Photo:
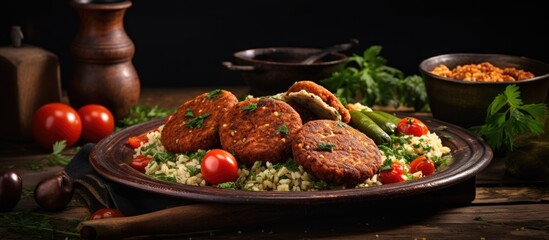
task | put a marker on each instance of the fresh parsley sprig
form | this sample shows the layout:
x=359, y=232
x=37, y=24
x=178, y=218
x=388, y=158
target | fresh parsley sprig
x=56, y=158
x=508, y=117
x=367, y=79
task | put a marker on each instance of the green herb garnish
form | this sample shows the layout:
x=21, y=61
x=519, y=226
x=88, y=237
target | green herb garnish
x=508, y=117
x=196, y=122
x=227, y=185
x=139, y=114
x=291, y=165
x=193, y=170
x=329, y=147
x=162, y=176
x=189, y=113
x=282, y=129
x=213, y=94
x=250, y=107
x=55, y=158
x=198, y=155
x=340, y=124
x=163, y=157
x=369, y=80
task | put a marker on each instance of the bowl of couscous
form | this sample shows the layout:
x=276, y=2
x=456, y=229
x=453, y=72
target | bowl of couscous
x=461, y=86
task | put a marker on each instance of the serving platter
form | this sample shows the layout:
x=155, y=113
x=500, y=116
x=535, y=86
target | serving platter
x=111, y=157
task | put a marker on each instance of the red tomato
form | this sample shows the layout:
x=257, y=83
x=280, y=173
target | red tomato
x=394, y=175
x=136, y=141
x=140, y=162
x=219, y=166
x=106, y=213
x=421, y=163
x=55, y=122
x=97, y=122
x=412, y=126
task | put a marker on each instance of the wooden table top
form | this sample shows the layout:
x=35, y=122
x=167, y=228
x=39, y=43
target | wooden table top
x=503, y=208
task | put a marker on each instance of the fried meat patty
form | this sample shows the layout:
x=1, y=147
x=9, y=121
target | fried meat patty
x=259, y=129
x=335, y=152
x=195, y=124
x=318, y=100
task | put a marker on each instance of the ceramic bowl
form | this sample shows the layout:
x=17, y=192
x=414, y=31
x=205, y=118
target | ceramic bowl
x=269, y=71
x=465, y=103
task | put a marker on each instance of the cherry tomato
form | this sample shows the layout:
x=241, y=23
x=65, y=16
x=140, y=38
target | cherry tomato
x=394, y=175
x=106, y=213
x=97, y=122
x=136, y=141
x=55, y=122
x=219, y=166
x=423, y=164
x=412, y=126
x=140, y=162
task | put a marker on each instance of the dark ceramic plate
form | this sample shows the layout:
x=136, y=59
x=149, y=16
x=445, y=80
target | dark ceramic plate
x=111, y=156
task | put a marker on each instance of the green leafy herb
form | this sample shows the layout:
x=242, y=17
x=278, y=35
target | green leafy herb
x=56, y=158
x=291, y=165
x=139, y=114
x=282, y=129
x=227, y=185
x=35, y=226
x=163, y=157
x=508, y=117
x=196, y=122
x=162, y=176
x=189, y=113
x=198, y=155
x=329, y=147
x=250, y=107
x=319, y=184
x=366, y=79
x=193, y=170
x=340, y=124
x=213, y=94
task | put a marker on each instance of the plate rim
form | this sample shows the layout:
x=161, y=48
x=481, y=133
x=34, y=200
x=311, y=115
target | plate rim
x=480, y=153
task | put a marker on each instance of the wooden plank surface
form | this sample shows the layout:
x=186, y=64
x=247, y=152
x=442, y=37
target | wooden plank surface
x=503, y=208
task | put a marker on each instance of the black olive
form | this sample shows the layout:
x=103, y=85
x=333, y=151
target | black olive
x=54, y=193
x=11, y=187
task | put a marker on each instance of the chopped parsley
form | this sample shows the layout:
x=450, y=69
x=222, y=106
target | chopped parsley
x=198, y=155
x=250, y=107
x=193, y=170
x=196, y=122
x=162, y=176
x=189, y=113
x=291, y=165
x=340, y=124
x=227, y=185
x=282, y=129
x=329, y=147
x=213, y=94
x=163, y=157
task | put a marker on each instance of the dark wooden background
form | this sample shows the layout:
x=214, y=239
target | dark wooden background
x=182, y=43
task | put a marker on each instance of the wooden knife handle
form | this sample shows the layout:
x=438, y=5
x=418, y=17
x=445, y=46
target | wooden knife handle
x=189, y=218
